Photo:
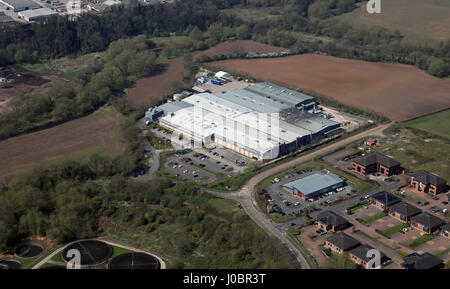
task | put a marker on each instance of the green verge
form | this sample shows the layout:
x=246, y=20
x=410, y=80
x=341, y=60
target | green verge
x=443, y=252
x=29, y=263
x=304, y=251
x=419, y=241
x=369, y=220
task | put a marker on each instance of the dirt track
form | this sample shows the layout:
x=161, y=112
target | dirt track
x=397, y=91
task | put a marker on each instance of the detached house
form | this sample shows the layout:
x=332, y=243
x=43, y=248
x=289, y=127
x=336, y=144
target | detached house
x=424, y=261
x=376, y=163
x=427, y=223
x=385, y=200
x=359, y=256
x=428, y=183
x=403, y=211
x=341, y=242
x=330, y=221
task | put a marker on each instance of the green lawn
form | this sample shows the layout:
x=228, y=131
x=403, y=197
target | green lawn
x=443, y=252
x=57, y=257
x=437, y=123
x=419, y=241
x=392, y=230
x=280, y=219
x=359, y=205
x=222, y=205
x=234, y=182
x=374, y=239
x=369, y=220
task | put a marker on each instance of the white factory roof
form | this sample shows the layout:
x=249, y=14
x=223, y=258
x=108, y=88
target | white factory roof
x=41, y=12
x=222, y=74
x=19, y=3
x=244, y=119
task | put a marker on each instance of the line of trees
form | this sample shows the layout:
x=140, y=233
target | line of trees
x=67, y=202
x=207, y=25
x=103, y=81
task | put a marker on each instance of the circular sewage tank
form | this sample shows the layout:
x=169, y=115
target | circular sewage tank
x=92, y=252
x=134, y=260
x=9, y=263
x=28, y=250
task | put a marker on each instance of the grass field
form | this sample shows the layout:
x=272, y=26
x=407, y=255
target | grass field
x=98, y=133
x=437, y=123
x=418, y=150
x=416, y=19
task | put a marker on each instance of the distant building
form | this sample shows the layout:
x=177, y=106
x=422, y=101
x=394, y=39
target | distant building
x=341, y=242
x=384, y=200
x=376, y=163
x=222, y=74
x=36, y=14
x=403, y=211
x=330, y=221
x=103, y=6
x=428, y=183
x=424, y=261
x=359, y=256
x=427, y=223
x=314, y=185
x=19, y=5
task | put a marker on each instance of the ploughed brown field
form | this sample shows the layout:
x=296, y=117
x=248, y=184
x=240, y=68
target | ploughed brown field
x=400, y=92
x=98, y=133
x=153, y=88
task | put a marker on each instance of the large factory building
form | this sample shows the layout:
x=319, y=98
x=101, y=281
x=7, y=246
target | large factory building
x=262, y=121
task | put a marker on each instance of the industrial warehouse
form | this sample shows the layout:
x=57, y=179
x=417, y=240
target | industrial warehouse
x=314, y=185
x=262, y=121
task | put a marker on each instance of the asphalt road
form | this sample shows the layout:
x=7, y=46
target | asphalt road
x=246, y=195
